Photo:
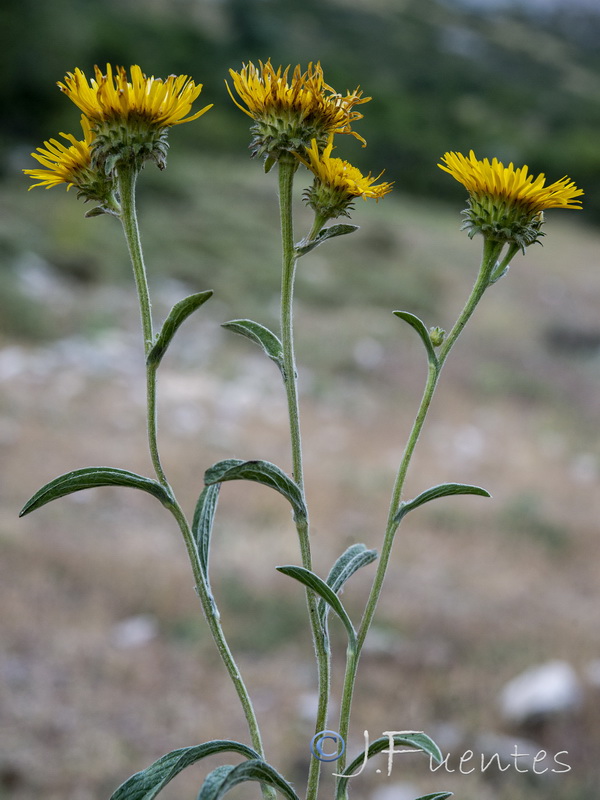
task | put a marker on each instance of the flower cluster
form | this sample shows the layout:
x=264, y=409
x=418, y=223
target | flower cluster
x=507, y=204
x=297, y=116
x=125, y=121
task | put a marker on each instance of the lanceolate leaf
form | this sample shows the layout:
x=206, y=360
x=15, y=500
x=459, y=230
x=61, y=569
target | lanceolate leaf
x=418, y=741
x=233, y=469
x=147, y=784
x=420, y=328
x=202, y=523
x=178, y=314
x=260, y=335
x=355, y=557
x=443, y=490
x=436, y=796
x=202, y=526
x=304, y=247
x=222, y=779
x=91, y=477
x=319, y=586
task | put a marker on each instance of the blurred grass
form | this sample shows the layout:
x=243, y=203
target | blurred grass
x=478, y=590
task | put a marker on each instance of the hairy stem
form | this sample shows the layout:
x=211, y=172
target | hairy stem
x=287, y=167
x=127, y=180
x=212, y=617
x=491, y=253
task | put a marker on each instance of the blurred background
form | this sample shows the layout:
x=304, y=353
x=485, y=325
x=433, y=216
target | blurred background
x=105, y=661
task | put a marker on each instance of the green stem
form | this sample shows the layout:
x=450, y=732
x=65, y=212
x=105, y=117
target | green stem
x=352, y=657
x=317, y=226
x=286, y=179
x=287, y=168
x=491, y=253
x=127, y=180
x=212, y=617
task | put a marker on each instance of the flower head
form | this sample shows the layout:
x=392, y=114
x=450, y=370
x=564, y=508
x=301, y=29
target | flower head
x=71, y=164
x=507, y=204
x=132, y=113
x=289, y=112
x=337, y=183
x=109, y=97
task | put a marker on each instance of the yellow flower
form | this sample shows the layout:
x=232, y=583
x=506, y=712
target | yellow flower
x=290, y=112
x=507, y=204
x=130, y=117
x=71, y=164
x=509, y=184
x=340, y=177
x=113, y=97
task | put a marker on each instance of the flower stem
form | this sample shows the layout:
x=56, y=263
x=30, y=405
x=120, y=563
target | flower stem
x=286, y=178
x=127, y=180
x=491, y=253
x=287, y=167
x=212, y=617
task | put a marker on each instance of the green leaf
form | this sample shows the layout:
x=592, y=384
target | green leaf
x=355, y=557
x=436, y=796
x=202, y=523
x=305, y=246
x=260, y=335
x=224, y=778
x=499, y=272
x=90, y=478
x=420, y=328
x=443, y=490
x=418, y=741
x=202, y=526
x=147, y=784
x=178, y=314
x=264, y=472
x=319, y=586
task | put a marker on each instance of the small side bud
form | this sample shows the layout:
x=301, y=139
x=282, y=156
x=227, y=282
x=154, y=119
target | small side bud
x=437, y=336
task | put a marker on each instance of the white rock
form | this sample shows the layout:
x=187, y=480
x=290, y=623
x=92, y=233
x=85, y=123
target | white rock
x=134, y=632
x=541, y=691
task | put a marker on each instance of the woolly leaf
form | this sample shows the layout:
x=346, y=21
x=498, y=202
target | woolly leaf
x=443, y=490
x=420, y=328
x=145, y=785
x=90, y=478
x=260, y=335
x=304, y=247
x=264, y=472
x=319, y=586
x=417, y=741
x=178, y=314
x=355, y=557
x=222, y=779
